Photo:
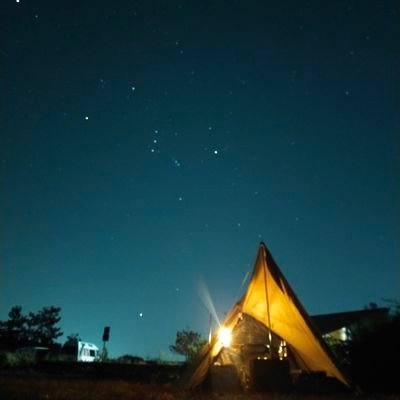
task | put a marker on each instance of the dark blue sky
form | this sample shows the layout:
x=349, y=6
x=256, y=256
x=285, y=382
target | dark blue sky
x=148, y=144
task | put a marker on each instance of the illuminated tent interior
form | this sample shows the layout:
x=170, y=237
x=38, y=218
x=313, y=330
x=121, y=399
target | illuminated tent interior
x=267, y=323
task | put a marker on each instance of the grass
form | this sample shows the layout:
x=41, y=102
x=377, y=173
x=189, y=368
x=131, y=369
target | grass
x=40, y=388
x=17, y=388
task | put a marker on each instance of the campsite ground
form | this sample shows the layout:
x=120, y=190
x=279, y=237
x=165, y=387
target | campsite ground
x=42, y=388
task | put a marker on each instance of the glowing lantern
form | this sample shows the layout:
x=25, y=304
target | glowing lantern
x=225, y=336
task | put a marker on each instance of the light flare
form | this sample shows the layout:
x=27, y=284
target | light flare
x=207, y=301
x=225, y=336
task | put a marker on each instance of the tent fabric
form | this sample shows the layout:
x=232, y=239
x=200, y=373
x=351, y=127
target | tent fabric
x=270, y=300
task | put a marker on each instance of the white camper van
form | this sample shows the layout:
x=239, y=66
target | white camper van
x=77, y=350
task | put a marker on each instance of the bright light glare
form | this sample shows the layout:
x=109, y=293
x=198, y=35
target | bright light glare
x=225, y=336
x=207, y=300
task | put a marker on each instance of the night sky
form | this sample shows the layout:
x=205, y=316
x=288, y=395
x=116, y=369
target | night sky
x=150, y=145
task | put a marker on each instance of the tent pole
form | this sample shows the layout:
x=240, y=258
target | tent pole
x=209, y=329
x=269, y=315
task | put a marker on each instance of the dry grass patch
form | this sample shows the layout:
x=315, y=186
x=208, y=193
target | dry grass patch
x=39, y=388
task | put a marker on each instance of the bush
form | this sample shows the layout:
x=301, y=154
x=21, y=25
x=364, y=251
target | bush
x=15, y=360
x=373, y=354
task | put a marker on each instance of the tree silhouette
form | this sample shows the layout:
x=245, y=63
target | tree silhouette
x=188, y=343
x=35, y=329
x=43, y=326
x=374, y=351
x=14, y=331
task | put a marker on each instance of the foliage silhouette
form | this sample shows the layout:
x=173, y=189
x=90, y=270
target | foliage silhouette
x=34, y=329
x=188, y=343
x=373, y=353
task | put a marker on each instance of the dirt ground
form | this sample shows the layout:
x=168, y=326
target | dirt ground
x=40, y=388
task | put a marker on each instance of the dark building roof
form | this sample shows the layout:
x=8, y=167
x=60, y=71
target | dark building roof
x=331, y=322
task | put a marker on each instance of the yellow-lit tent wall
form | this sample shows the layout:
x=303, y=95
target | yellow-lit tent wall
x=270, y=300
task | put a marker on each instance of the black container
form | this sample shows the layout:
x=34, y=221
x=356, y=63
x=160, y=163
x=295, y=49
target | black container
x=270, y=375
x=222, y=378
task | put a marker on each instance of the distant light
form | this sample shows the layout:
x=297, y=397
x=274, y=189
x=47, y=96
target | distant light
x=133, y=88
x=215, y=151
x=17, y=1
x=86, y=117
x=225, y=336
x=282, y=351
x=141, y=315
x=344, y=334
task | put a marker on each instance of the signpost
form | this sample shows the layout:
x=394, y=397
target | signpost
x=106, y=338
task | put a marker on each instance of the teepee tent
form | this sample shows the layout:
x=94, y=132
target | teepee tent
x=267, y=322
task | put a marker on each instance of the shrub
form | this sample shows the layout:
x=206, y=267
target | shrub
x=16, y=360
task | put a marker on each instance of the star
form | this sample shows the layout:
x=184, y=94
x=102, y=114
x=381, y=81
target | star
x=86, y=117
x=215, y=152
x=176, y=162
x=140, y=314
